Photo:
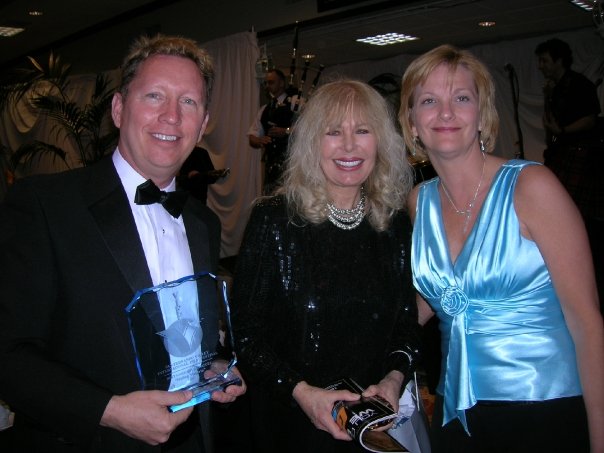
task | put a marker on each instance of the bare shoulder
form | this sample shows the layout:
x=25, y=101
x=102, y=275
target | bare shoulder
x=537, y=184
x=536, y=173
x=540, y=200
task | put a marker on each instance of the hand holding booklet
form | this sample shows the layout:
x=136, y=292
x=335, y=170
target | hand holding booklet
x=360, y=419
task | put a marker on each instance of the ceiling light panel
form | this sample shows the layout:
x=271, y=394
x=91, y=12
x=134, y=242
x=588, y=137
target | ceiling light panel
x=387, y=39
x=586, y=5
x=7, y=32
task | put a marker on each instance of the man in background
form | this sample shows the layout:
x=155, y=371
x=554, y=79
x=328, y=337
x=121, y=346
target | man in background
x=571, y=102
x=197, y=172
x=575, y=149
x=270, y=130
x=77, y=246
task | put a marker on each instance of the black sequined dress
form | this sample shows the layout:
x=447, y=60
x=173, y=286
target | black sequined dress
x=317, y=303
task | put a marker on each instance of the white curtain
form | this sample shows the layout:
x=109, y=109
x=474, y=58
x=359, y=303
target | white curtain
x=235, y=101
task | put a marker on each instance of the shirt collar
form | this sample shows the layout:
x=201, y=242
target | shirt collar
x=281, y=98
x=130, y=178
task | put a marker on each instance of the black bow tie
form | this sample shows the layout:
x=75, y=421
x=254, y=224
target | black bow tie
x=149, y=193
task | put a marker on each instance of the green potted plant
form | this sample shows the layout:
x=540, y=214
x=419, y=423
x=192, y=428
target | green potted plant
x=86, y=127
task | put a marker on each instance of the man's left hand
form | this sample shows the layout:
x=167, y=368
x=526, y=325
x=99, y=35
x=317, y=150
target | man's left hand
x=231, y=393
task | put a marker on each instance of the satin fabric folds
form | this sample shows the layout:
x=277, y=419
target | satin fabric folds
x=504, y=337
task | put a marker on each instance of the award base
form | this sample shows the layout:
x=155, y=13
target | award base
x=203, y=392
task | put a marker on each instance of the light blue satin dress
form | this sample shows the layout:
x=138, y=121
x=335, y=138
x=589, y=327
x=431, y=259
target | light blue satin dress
x=504, y=337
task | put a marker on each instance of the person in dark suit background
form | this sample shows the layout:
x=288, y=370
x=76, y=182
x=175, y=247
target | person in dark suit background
x=198, y=172
x=575, y=147
x=270, y=130
x=76, y=247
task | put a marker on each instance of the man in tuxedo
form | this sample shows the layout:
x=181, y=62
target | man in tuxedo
x=270, y=129
x=75, y=247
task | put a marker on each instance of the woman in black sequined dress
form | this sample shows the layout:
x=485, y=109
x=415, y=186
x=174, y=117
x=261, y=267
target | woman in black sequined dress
x=322, y=288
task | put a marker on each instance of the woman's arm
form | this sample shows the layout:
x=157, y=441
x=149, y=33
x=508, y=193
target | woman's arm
x=424, y=311
x=255, y=292
x=549, y=217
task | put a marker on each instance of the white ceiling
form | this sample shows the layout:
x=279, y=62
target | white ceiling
x=329, y=35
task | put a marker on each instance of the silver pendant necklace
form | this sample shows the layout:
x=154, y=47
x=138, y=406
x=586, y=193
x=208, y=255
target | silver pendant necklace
x=468, y=211
x=347, y=219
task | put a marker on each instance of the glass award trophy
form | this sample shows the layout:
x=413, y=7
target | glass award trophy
x=182, y=337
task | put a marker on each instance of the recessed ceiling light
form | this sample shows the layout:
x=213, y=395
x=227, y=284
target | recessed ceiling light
x=35, y=13
x=386, y=39
x=586, y=5
x=487, y=23
x=10, y=31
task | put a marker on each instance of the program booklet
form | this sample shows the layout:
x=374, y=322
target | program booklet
x=361, y=418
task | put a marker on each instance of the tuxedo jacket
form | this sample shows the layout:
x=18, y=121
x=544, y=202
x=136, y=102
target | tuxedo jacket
x=70, y=262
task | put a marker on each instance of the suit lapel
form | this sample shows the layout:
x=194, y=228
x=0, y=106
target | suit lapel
x=197, y=236
x=110, y=208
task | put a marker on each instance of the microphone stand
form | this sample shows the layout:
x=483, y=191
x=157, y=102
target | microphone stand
x=513, y=77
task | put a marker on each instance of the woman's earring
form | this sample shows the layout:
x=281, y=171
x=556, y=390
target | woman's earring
x=482, y=148
x=414, y=148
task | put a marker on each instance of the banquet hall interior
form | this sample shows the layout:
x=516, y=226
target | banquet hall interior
x=311, y=41
x=325, y=36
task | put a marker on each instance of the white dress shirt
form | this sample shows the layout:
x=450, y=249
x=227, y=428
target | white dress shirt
x=163, y=237
x=168, y=256
x=256, y=128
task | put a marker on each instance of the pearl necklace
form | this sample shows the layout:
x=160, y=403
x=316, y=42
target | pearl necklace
x=468, y=211
x=347, y=219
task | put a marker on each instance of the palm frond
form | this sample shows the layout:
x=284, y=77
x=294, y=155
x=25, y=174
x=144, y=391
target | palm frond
x=27, y=80
x=102, y=88
x=66, y=114
x=37, y=66
x=100, y=145
x=85, y=126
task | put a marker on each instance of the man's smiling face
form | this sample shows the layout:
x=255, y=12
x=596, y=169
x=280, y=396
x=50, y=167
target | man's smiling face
x=162, y=116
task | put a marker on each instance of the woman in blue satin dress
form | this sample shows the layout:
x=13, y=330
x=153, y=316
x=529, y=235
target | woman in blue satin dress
x=501, y=256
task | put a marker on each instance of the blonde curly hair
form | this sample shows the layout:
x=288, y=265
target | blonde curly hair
x=304, y=184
